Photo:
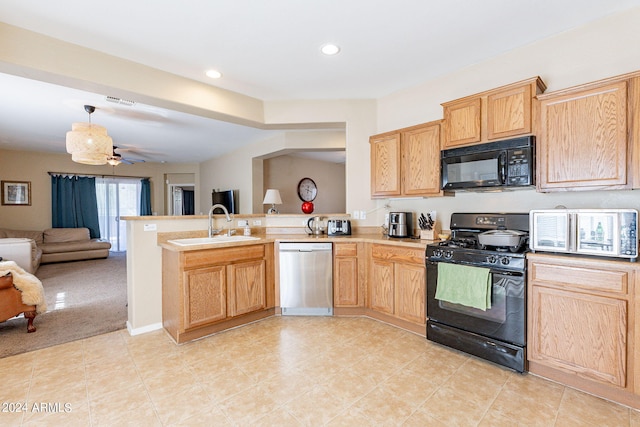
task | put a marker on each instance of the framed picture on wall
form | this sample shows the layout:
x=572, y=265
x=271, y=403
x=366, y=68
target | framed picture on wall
x=16, y=193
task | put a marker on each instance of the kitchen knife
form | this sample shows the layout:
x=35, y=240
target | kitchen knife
x=422, y=222
x=429, y=222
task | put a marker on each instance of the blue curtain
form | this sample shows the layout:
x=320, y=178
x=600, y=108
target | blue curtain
x=188, y=204
x=145, y=197
x=74, y=203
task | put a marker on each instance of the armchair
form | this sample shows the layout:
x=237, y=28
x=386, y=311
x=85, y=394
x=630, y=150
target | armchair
x=11, y=303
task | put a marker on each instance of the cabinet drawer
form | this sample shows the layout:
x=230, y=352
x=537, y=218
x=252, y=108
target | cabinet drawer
x=207, y=257
x=580, y=277
x=398, y=253
x=345, y=249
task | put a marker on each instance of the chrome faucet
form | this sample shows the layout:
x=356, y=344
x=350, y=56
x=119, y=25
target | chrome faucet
x=213, y=231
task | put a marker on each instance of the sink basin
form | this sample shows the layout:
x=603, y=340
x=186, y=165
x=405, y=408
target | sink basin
x=209, y=240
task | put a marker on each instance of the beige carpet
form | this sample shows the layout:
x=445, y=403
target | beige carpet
x=84, y=298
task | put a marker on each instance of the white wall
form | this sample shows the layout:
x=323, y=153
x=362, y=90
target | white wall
x=33, y=167
x=238, y=170
x=603, y=49
x=588, y=53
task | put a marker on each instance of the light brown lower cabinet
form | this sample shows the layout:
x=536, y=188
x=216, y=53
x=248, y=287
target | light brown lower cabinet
x=204, y=291
x=205, y=296
x=397, y=285
x=246, y=287
x=582, y=324
x=348, y=278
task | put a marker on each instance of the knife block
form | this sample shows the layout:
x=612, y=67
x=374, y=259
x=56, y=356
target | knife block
x=431, y=234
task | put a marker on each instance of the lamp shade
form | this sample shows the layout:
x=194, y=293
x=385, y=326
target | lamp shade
x=89, y=144
x=272, y=197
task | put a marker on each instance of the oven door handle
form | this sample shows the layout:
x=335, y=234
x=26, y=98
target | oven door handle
x=434, y=263
x=508, y=273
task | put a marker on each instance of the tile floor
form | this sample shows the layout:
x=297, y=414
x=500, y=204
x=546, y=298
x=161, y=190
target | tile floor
x=284, y=371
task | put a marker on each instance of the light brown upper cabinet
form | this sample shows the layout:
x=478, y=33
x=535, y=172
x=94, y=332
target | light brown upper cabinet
x=385, y=164
x=587, y=136
x=406, y=162
x=492, y=115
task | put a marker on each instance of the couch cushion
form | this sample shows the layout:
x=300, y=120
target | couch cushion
x=86, y=245
x=62, y=235
x=25, y=234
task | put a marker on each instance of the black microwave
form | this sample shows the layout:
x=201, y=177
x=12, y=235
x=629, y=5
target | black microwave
x=500, y=164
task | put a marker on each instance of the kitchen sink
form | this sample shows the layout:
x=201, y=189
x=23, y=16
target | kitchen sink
x=210, y=240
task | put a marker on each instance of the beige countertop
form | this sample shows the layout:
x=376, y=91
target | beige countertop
x=163, y=239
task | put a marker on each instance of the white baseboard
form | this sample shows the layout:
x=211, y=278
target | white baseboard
x=144, y=329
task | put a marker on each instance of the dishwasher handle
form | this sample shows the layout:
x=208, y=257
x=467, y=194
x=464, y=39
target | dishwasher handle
x=305, y=247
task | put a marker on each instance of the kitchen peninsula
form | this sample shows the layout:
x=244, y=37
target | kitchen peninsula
x=148, y=235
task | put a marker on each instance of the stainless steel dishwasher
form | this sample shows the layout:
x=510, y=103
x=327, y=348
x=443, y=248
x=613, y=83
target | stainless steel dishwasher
x=306, y=279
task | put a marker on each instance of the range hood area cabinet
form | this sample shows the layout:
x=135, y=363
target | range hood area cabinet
x=496, y=114
x=589, y=136
x=406, y=162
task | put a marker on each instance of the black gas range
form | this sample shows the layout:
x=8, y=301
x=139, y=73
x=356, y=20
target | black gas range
x=496, y=332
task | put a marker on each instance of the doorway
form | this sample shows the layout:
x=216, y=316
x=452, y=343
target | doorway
x=117, y=197
x=181, y=199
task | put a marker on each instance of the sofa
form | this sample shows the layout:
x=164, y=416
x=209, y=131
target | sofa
x=54, y=245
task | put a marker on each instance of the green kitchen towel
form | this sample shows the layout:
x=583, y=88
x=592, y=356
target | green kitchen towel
x=466, y=285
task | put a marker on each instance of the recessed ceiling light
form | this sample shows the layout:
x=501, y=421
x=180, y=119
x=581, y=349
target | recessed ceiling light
x=214, y=74
x=330, y=49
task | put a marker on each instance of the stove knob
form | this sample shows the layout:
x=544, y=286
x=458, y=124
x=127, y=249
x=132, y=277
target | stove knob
x=505, y=261
x=491, y=259
x=448, y=254
x=437, y=253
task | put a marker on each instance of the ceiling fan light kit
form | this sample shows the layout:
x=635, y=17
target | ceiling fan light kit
x=88, y=143
x=114, y=160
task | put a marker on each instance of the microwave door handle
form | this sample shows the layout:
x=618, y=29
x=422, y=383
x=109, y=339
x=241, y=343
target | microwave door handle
x=502, y=167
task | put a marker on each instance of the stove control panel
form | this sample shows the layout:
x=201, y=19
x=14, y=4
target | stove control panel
x=477, y=258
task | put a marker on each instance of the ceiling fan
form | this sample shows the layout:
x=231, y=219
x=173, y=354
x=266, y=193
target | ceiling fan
x=116, y=158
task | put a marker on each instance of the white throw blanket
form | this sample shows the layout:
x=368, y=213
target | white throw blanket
x=28, y=284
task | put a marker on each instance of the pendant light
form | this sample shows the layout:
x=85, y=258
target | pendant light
x=89, y=143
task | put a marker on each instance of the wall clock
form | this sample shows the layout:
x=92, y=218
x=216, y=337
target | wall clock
x=307, y=190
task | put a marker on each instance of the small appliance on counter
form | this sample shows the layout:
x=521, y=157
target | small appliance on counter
x=599, y=232
x=339, y=227
x=400, y=224
x=315, y=226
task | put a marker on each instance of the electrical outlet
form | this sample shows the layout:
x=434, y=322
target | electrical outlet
x=243, y=223
x=356, y=215
x=363, y=214
x=386, y=219
x=257, y=222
